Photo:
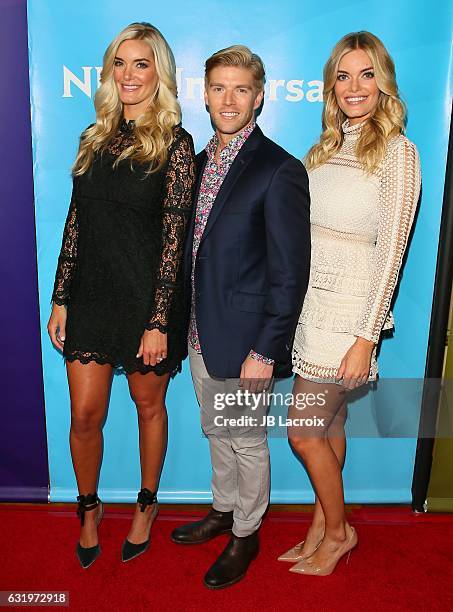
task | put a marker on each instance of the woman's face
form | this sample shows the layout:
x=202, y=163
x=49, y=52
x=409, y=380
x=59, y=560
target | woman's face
x=356, y=89
x=134, y=72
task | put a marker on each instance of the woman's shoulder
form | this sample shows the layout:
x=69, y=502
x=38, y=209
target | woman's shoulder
x=401, y=151
x=85, y=131
x=88, y=127
x=181, y=135
x=401, y=143
x=182, y=143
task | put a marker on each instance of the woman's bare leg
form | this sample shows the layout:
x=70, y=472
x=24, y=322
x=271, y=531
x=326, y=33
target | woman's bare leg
x=148, y=392
x=337, y=439
x=315, y=448
x=89, y=389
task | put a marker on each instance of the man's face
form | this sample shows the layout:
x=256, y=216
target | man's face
x=232, y=98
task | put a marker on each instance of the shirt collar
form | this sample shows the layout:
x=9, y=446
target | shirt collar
x=233, y=146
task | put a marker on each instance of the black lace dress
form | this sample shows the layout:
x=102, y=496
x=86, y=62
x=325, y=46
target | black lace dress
x=119, y=270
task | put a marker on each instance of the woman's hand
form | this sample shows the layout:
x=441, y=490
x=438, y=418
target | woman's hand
x=153, y=347
x=355, y=366
x=56, y=326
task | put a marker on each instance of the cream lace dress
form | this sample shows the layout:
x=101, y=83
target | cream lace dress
x=359, y=230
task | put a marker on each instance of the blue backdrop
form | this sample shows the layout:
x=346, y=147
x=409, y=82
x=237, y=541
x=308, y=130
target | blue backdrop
x=294, y=38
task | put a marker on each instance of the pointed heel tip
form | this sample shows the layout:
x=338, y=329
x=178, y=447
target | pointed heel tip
x=130, y=551
x=87, y=560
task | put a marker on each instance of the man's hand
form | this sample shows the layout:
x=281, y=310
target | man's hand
x=153, y=347
x=255, y=375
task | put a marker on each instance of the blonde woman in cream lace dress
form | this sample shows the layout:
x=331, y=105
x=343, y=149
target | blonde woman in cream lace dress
x=364, y=186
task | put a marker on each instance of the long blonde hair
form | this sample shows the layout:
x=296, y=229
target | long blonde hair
x=154, y=128
x=387, y=120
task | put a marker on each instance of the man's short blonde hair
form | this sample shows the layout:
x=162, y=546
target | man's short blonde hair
x=241, y=57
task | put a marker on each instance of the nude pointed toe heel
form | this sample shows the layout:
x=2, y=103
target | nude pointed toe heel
x=309, y=569
x=294, y=554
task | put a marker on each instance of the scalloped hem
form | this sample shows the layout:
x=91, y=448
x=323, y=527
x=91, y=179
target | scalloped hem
x=59, y=301
x=156, y=325
x=303, y=373
x=325, y=374
x=160, y=370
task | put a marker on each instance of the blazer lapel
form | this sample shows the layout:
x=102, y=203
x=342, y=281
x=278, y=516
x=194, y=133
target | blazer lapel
x=242, y=160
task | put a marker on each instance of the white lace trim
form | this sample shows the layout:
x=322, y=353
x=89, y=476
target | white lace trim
x=314, y=371
x=337, y=320
x=319, y=230
x=339, y=284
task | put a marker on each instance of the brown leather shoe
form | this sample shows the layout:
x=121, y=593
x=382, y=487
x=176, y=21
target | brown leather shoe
x=233, y=562
x=212, y=525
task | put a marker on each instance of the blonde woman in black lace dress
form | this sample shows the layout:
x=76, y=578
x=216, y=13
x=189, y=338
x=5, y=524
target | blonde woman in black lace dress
x=118, y=297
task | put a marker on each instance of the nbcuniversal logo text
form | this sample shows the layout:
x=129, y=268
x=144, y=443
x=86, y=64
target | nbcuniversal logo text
x=87, y=80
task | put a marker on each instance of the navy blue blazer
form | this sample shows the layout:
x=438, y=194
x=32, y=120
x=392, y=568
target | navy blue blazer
x=253, y=263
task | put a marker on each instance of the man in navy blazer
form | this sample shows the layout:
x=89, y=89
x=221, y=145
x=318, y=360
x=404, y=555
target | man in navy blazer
x=247, y=264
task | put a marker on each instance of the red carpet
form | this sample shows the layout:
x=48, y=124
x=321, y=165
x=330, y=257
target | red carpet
x=403, y=562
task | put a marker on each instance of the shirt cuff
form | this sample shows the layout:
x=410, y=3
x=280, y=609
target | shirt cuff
x=258, y=357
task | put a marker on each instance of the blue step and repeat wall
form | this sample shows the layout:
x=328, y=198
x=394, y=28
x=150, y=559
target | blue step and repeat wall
x=294, y=37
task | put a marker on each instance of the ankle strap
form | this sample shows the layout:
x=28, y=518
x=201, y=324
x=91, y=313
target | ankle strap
x=86, y=504
x=145, y=498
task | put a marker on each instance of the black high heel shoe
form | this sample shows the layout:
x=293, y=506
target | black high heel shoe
x=87, y=503
x=129, y=551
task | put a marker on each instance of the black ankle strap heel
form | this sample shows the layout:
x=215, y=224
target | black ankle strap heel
x=87, y=503
x=129, y=550
x=145, y=498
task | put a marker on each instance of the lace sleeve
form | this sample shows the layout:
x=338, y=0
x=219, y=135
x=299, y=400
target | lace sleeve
x=399, y=192
x=68, y=257
x=177, y=204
